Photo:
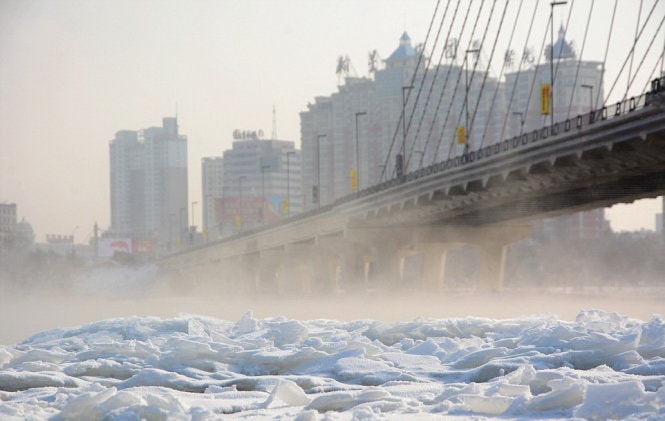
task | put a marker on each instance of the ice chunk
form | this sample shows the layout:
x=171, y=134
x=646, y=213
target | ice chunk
x=341, y=401
x=86, y=405
x=289, y=393
x=565, y=393
x=616, y=401
x=492, y=405
x=246, y=324
x=12, y=381
x=652, y=340
x=5, y=356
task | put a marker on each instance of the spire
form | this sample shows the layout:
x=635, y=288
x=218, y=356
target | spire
x=562, y=48
x=404, y=50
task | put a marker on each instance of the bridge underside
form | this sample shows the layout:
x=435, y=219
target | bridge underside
x=488, y=201
x=621, y=172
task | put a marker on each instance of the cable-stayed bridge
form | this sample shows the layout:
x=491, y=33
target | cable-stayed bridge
x=484, y=193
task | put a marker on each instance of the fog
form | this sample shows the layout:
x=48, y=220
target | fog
x=93, y=294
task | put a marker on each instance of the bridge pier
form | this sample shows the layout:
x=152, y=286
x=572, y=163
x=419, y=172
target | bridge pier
x=434, y=243
x=434, y=264
x=492, y=267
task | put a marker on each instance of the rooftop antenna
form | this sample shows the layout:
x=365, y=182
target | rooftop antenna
x=274, y=123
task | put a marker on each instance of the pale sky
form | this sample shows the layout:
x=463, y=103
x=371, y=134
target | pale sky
x=74, y=72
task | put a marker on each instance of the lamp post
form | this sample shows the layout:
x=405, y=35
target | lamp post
x=466, y=97
x=590, y=88
x=288, y=183
x=181, y=212
x=399, y=165
x=263, y=191
x=554, y=3
x=193, y=203
x=521, y=115
x=357, y=149
x=240, y=178
x=422, y=154
x=318, y=170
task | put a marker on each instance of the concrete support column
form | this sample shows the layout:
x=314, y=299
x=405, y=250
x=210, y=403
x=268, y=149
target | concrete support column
x=367, y=265
x=304, y=274
x=388, y=265
x=434, y=266
x=493, y=264
x=333, y=273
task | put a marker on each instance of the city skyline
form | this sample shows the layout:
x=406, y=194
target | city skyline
x=78, y=72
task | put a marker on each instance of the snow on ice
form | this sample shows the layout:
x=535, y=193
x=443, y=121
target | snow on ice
x=599, y=367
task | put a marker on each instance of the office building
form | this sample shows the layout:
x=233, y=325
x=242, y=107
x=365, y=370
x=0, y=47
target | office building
x=7, y=226
x=577, y=89
x=212, y=185
x=374, y=127
x=260, y=182
x=149, y=185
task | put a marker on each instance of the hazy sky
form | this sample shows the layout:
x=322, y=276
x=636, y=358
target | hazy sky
x=73, y=72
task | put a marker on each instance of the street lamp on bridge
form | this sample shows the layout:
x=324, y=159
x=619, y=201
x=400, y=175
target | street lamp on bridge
x=263, y=191
x=466, y=97
x=358, y=151
x=521, y=115
x=239, y=216
x=554, y=3
x=288, y=181
x=316, y=190
x=590, y=88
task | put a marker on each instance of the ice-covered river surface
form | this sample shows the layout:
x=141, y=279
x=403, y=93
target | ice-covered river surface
x=601, y=365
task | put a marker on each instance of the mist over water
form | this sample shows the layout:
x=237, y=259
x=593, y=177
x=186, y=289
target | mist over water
x=115, y=291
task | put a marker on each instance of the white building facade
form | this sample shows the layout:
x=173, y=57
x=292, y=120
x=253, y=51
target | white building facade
x=149, y=185
x=212, y=186
x=369, y=122
x=260, y=183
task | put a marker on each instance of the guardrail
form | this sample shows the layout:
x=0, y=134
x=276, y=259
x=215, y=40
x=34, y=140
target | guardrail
x=577, y=123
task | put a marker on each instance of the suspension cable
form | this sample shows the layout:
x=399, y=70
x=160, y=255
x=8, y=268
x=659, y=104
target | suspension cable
x=654, y=70
x=466, y=16
x=533, y=81
x=632, y=53
x=503, y=67
x=415, y=72
x=422, y=83
x=519, y=72
x=445, y=83
x=467, y=125
x=639, y=66
x=469, y=44
x=482, y=86
x=607, y=49
x=579, y=61
x=558, y=58
x=616, y=80
x=432, y=84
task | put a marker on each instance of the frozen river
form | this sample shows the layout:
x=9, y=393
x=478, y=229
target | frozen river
x=515, y=355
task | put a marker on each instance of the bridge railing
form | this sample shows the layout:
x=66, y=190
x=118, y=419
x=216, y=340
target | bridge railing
x=568, y=126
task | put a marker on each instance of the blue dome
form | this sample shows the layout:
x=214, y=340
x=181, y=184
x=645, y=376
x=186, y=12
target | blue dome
x=405, y=49
x=562, y=49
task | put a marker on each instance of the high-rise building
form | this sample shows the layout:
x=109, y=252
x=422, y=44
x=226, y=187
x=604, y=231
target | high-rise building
x=212, y=176
x=7, y=226
x=260, y=182
x=149, y=184
x=405, y=117
x=577, y=88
